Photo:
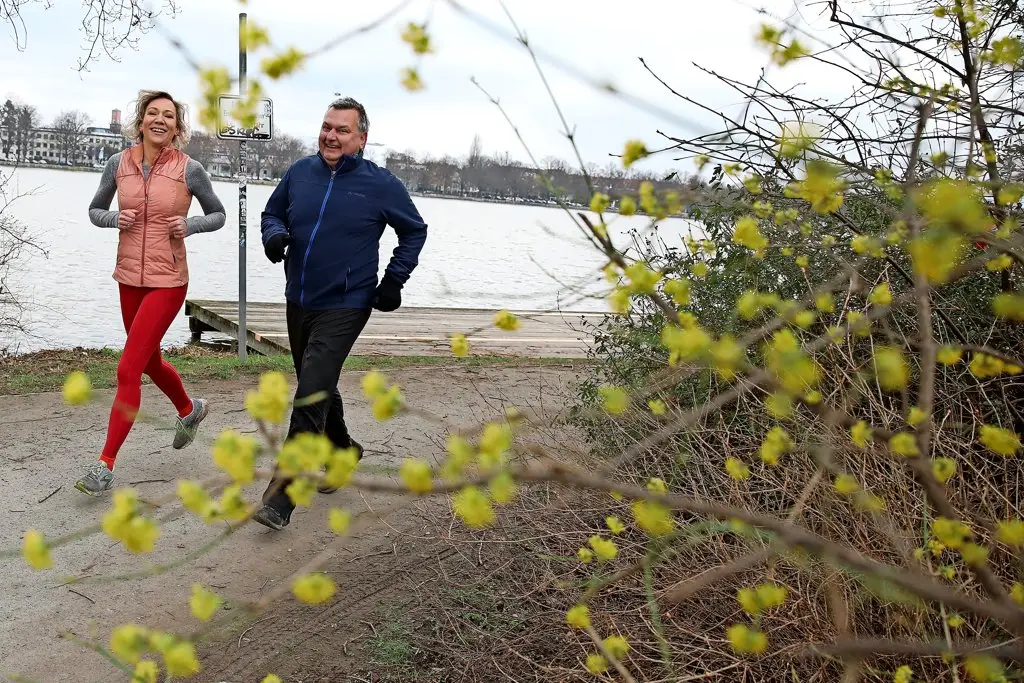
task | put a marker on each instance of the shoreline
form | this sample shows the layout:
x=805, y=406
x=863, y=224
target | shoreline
x=273, y=183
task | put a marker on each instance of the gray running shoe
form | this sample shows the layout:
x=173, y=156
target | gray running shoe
x=97, y=479
x=186, y=427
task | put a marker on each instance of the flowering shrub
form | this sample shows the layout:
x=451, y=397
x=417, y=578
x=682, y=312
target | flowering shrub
x=827, y=373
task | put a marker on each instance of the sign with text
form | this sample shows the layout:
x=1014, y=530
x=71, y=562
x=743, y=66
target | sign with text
x=229, y=129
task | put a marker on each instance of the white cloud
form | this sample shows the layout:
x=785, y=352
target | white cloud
x=600, y=37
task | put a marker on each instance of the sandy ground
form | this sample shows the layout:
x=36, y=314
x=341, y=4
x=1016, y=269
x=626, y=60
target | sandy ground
x=44, y=445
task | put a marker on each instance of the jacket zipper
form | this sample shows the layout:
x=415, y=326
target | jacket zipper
x=145, y=216
x=305, y=257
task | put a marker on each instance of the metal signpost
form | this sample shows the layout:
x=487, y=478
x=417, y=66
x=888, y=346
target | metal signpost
x=232, y=130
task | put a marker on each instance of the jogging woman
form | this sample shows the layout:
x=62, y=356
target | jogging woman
x=154, y=182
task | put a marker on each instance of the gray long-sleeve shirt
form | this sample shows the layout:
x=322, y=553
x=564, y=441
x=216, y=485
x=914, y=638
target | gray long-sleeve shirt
x=196, y=179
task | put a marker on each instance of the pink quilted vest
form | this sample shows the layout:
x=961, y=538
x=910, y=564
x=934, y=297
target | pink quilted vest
x=147, y=255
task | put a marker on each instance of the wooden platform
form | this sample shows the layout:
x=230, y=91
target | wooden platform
x=410, y=331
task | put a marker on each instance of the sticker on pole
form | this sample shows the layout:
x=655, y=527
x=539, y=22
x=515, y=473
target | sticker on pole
x=230, y=129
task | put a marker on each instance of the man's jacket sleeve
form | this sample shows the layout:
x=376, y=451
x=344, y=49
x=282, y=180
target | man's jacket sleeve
x=275, y=213
x=402, y=215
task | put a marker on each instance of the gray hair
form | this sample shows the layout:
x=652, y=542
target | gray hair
x=347, y=103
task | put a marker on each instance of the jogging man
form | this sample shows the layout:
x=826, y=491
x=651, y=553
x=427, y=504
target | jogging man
x=325, y=220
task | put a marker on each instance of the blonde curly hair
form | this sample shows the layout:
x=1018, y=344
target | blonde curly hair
x=133, y=130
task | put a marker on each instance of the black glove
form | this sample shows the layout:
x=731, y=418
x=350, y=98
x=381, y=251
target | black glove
x=388, y=296
x=274, y=248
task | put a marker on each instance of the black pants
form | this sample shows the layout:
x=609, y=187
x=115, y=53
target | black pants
x=320, y=342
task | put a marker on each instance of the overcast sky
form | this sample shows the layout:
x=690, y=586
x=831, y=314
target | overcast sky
x=603, y=38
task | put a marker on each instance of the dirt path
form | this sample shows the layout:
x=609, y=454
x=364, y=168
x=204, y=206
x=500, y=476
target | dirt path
x=44, y=445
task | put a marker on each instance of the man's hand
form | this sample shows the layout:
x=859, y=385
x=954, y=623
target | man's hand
x=125, y=219
x=275, y=246
x=178, y=227
x=388, y=296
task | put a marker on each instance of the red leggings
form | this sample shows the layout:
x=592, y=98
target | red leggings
x=147, y=314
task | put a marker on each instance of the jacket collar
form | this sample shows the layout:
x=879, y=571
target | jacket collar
x=346, y=163
x=136, y=151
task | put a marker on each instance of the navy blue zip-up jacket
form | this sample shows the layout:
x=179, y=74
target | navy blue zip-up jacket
x=335, y=220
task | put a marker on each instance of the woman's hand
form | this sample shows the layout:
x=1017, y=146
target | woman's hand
x=125, y=219
x=178, y=227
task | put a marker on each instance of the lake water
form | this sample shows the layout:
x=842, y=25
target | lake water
x=477, y=255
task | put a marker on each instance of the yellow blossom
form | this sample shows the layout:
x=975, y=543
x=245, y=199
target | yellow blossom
x=617, y=646
x=77, y=389
x=1017, y=593
x=596, y=663
x=128, y=642
x=146, y=671
x=891, y=368
x=861, y=433
x=745, y=640
x=339, y=520
x=314, y=588
x=881, y=295
x=679, y=290
x=948, y=355
x=1009, y=305
x=652, y=517
x=614, y=525
x=235, y=454
x=779, y=405
x=748, y=234
x=635, y=150
x=943, y=469
x=974, y=554
x=578, y=616
x=935, y=253
x=822, y=189
x=417, y=37
x=951, y=533
x=585, y=555
x=999, y=440
x=416, y=475
x=301, y=491
x=411, y=80
x=756, y=600
x=825, y=302
x=736, y=468
x=502, y=488
x=283, y=64
x=180, y=660
x=904, y=444
x=685, y=344
x=1011, y=532
x=775, y=444
x=374, y=384
x=460, y=345
x=36, y=551
x=271, y=678
x=955, y=204
x=916, y=416
x=903, y=674
x=495, y=441
x=473, y=507
x=270, y=400
x=599, y=202
x=387, y=405
x=999, y=263
x=657, y=406
x=505, y=320
x=604, y=548
x=726, y=356
x=203, y=603
x=627, y=206
x=846, y=484
x=984, y=669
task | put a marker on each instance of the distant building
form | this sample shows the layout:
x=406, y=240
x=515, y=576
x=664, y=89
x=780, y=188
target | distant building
x=94, y=146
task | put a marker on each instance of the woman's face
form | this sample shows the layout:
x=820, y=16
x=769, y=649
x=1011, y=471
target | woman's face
x=160, y=122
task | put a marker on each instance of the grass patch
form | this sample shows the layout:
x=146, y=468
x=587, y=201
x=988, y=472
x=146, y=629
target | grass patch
x=391, y=645
x=46, y=370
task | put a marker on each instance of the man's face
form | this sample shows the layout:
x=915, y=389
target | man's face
x=340, y=134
